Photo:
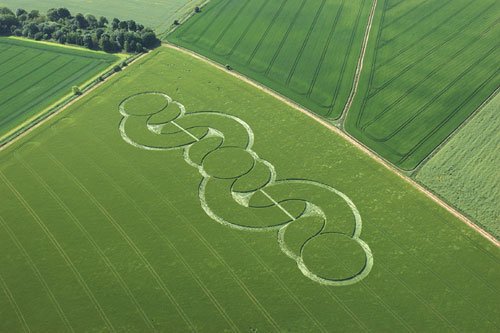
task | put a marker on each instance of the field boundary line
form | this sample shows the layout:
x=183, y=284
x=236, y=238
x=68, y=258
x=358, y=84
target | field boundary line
x=345, y=136
x=59, y=106
x=436, y=150
x=14, y=305
x=37, y=272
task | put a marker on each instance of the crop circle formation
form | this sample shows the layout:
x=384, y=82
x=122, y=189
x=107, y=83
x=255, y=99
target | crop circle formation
x=324, y=252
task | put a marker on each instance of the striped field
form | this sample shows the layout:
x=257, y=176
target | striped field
x=104, y=227
x=429, y=65
x=305, y=50
x=35, y=75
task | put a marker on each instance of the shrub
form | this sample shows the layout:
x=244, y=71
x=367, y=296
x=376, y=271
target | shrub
x=76, y=91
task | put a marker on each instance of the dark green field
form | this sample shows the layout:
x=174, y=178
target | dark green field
x=305, y=50
x=35, y=75
x=429, y=66
x=105, y=227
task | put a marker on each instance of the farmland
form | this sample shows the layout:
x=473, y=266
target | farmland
x=104, y=226
x=305, y=51
x=465, y=171
x=35, y=75
x=429, y=65
x=159, y=15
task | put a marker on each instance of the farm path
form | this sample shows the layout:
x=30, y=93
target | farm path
x=344, y=135
x=359, y=67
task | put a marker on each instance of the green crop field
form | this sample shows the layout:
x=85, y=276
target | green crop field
x=35, y=75
x=465, y=171
x=429, y=65
x=177, y=197
x=305, y=50
x=159, y=14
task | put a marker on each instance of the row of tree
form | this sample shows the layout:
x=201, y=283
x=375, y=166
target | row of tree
x=89, y=31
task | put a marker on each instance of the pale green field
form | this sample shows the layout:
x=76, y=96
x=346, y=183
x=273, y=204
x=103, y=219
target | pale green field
x=466, y=171
x=159, y=14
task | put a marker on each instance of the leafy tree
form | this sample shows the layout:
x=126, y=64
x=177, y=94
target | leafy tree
x=34, y=14
x=20, y=12
x=80, y=21
x=59, y=25
x=149, y=40
x=63, y=13
x=53, y=15
x=132, y=26
x=8, y=23
x=92, y=21
x=6, y=11
x=123, y=25
x=115, y=23
x=102, y=22
x=88, y=42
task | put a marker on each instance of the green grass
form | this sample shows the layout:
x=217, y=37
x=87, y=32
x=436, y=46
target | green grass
x=429, y=65
x=97, y=232
x=465, y=171
x=35, y=75
x=159, y=14
x=305, y=50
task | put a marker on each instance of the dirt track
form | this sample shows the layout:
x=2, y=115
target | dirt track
x=346, y=136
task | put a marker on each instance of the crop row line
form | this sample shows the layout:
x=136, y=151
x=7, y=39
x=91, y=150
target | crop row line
x=305, y=42
x=340, y=79
x=325, y=48
x=410, y=11
x=37, y=273
x=211, y=23
x=208, y=9
x=247, y=29
x=164, y=237
x=410, y=90
x=434, y=98
x=284, y=38
x=201, y=238
x=15, y=306
x=448, y=117
x=159, y=281
x=60, y=250
x=17, y=65
x=432, y=50
x=266, y=32
x=90, y=239
x=231, y=22
x=423, y=37
x=48, y=88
